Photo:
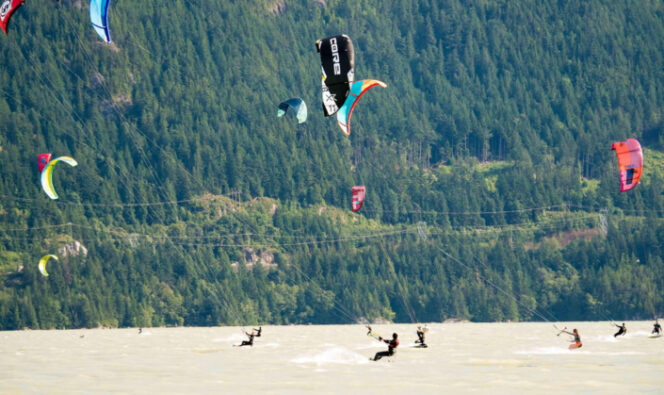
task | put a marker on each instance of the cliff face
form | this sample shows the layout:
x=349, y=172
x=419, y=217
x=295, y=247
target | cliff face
x=73, y=249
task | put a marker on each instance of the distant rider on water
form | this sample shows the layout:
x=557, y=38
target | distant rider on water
x=249, y=342
x=420, y=336
x=391, y=347
x=576, y=341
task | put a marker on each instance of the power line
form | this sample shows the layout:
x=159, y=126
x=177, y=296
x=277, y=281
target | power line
x=495, y=286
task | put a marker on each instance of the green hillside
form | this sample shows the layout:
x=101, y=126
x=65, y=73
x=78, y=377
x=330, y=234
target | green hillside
x=492, y=192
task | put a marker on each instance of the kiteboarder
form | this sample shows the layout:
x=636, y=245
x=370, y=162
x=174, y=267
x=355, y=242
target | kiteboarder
x=621, y=331
x=249, y=342
x=420, y=337
x=576, y=341
x=391, y=347
x=258, y=331
x=656, y=328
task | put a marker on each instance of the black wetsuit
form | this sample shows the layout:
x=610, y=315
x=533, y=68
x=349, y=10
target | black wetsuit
x=657, y=329
x=420, y=338
x=249, y=342
x=621, y=331
x=258, y=331
x=391, y=349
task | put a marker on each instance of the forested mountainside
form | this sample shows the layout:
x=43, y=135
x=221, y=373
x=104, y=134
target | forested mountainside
x=492, y=191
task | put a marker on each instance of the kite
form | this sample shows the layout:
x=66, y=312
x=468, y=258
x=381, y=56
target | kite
x=47, y=175
x=337, y=60
x=358, y=197
x=98, y=15
x=42, y=264
x=99, y=18
x=630, y=162
x=356, y=91
x=6, y=9
x=43, y=161
x=299, y=107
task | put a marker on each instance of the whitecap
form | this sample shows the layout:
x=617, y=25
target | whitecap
x=333, y=355
x=548, y=351
x=238, y=337
x=497, y=362
x=267, y=345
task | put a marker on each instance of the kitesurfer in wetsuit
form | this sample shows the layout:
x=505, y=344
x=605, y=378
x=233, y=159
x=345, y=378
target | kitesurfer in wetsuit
x=420, y=337
x=391, y=347
x=621, y=331
x=656, y=328
x=577, y=339
x=249, y=342
x=258, y=331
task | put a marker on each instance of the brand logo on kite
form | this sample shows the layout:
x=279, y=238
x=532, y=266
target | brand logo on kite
x=335, y=56
x=5, y=8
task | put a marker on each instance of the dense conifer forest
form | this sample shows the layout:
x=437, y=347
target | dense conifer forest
x=492, y=191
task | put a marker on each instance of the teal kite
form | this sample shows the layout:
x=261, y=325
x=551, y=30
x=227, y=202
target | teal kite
x=299, y=108
x=99, y=18
x=357, y=89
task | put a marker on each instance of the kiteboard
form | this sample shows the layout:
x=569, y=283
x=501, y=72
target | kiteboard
x=420, y=346
x=655, y=336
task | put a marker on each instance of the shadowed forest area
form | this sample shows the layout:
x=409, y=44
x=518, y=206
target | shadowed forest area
x=492, y=190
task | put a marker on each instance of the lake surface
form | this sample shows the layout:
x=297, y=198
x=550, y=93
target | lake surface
x=485, y=358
